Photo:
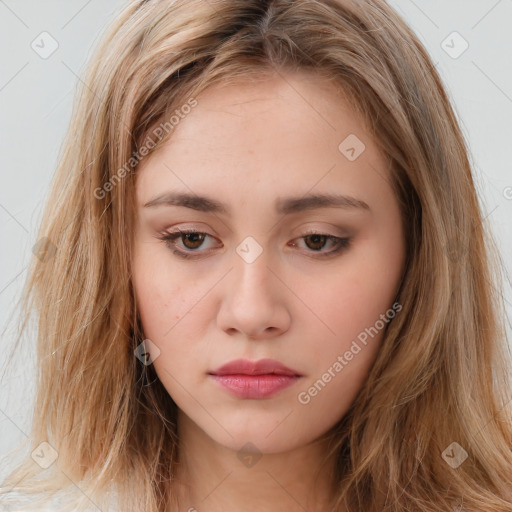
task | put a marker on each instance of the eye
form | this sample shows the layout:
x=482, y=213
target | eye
x=317, y=241
x=192, y=240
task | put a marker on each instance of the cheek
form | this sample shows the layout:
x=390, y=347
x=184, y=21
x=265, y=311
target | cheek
x=170, y=309
x=355, y=296
x=355, y=308
x=159, y=291
x=157, y=311
x=340, y=367
x=153, y=293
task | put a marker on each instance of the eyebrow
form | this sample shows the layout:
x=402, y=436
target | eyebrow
x=283, y=206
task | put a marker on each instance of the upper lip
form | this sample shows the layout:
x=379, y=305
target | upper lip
x=261, y=367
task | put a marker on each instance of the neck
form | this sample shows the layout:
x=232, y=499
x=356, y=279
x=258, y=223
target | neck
x=214, y=478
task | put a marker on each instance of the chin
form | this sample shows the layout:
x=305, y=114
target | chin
x=261, y=437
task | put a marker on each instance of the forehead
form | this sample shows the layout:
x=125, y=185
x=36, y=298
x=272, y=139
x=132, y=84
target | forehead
x=283, y=132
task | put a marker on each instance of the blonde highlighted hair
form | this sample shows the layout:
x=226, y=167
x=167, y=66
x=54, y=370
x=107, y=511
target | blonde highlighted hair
x=442, y=374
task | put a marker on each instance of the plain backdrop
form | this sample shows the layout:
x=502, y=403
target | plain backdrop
x=470, y=42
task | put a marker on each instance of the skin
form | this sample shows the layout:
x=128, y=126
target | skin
x=247, y=145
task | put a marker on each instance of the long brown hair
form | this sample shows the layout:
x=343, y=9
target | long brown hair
x=441, y=382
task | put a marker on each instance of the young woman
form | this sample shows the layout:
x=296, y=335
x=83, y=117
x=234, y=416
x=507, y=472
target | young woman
x=263, y=280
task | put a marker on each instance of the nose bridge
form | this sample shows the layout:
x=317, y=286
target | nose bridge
x=252, y=302
x=252, y=272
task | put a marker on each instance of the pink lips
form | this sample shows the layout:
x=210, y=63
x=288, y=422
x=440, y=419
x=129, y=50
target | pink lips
x=259, y=379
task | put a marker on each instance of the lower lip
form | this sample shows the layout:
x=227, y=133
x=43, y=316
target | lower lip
x=255, y=386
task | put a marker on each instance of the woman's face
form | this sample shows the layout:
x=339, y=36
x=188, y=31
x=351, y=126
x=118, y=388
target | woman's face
x=254, y=170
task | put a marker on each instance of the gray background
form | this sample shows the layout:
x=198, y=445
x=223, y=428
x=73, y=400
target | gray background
x=35, y=105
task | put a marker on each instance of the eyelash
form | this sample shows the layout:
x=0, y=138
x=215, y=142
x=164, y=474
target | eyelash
x=169, y=239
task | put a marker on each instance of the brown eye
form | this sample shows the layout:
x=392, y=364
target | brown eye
x=317, y=241
x=191, y=242
x=186, y=244
x=195, y=239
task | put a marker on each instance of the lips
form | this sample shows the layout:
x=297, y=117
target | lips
x=261, y=367
x=254, y=380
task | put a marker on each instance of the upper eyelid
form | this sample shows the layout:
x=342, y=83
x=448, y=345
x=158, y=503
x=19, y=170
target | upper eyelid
x=302, y=235
x=343, y=233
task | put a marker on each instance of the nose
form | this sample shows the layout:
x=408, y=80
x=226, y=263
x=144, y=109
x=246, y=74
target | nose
x=255, y=301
